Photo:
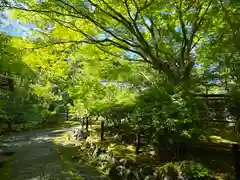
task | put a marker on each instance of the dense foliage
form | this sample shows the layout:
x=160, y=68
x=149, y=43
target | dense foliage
x=136, y=64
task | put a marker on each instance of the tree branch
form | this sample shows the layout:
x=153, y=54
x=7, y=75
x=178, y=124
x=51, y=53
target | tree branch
x=122, y=57
x=69, y=5
x=128, y=9
x=144, y=49
x=40, y=11
x=184, y=33
x=118, y=17
x=197, y=24
x=190, y=5
x=133, y=29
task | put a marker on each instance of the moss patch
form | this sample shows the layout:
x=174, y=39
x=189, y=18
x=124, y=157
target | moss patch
x=114, y=154
x=69, y=167
x=76, y=160
x=219, y=139
x=6, y=170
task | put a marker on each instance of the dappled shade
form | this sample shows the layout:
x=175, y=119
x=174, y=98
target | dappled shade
x=6, y=83
x=152, y=85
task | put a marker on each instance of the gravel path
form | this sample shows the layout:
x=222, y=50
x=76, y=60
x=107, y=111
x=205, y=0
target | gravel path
x=36, y=157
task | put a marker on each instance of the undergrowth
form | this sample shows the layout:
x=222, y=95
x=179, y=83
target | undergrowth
x=116, y=160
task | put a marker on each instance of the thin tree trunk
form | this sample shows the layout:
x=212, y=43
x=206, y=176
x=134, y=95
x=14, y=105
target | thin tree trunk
x=236, y=155
x=102, y=130
x=137, y=142
x=9, y=123
x=237, y=127
x=67, y=114
x=87, y=123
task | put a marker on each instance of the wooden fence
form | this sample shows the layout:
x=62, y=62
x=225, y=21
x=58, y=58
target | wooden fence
x=214, y=103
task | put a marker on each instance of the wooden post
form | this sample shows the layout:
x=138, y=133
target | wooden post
x=82, y=121
x=67, y=114
x=9, y=123
x=102, y=130
x=87, y=123
x=10, y=84
x=236, y=156
x=182, y=150
x=137, y=142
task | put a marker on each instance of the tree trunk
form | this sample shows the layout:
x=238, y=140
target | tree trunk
x=102, y=130
x=9, y=123
x=206, y=87
x=137, y=142
x=236, y=156
x=237, y=127
x=87, y=123
x=182, y=150
x=67, y=114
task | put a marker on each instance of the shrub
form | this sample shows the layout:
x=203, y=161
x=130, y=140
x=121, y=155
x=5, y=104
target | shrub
x=184, y=170
x=194, y=171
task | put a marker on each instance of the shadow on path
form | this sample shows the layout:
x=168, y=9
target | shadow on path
x=37, y=157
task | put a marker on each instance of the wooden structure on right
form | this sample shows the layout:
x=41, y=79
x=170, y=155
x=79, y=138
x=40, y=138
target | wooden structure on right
x=217, y=108
x=223, y=109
